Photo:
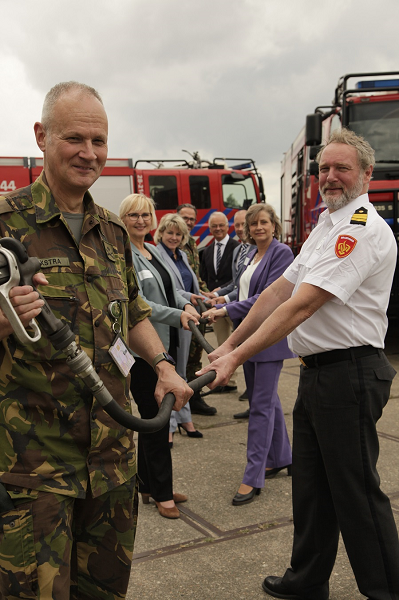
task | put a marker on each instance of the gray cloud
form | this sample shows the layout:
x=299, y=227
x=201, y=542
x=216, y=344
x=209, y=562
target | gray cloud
x=225, y=77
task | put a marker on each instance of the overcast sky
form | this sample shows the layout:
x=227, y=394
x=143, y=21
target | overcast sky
x=225, y=77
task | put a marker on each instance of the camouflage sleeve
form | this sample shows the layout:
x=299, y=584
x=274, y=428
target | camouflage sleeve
x=194, y=261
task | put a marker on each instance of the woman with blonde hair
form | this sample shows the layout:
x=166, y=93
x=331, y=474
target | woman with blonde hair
x=170, y=311
x=171, y=235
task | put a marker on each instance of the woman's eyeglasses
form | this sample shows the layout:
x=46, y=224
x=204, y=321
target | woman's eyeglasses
x=135, y=216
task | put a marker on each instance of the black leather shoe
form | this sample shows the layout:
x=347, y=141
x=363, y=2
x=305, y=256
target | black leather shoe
x=240, y=499
x=192, y=434
x=243, y=415
x=220, y=389
x=271, y=473
x=274, y=587
x=244, y=395
x=198, y=406
x=227, y=389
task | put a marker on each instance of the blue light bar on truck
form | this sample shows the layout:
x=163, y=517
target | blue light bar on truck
x=242, y=166
x=378, y=83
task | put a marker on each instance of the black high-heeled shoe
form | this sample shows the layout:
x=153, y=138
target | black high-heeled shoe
x=240, y=499
x=193, y=434
x=271, y=473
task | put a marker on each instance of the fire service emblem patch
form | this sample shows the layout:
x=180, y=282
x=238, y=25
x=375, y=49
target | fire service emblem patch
x=344, y=246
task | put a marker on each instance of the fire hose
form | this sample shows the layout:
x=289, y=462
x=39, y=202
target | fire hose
x=17, y=268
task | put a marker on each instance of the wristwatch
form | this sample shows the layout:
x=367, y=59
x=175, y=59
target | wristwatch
x=163, y=356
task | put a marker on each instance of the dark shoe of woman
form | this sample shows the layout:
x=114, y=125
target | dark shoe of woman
x=177, y=498
x=145, y=498
x=168, y=513
x=271, y=473
x=240, y=499
x=193, y=434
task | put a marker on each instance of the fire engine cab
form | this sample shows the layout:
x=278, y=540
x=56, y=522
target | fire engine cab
x=209, y=186
x=369, y=107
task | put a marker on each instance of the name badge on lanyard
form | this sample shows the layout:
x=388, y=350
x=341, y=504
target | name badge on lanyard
x=119, y=352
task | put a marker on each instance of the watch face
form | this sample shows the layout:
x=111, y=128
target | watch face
x=169, y=358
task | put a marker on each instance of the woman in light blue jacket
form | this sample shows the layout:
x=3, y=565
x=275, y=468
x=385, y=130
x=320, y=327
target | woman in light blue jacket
x=170, y=311
x=171, y=235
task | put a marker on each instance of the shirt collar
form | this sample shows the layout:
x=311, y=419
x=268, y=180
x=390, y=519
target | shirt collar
x=45, y=206
x=349, y=209
x=224, y=240
x=170, y=253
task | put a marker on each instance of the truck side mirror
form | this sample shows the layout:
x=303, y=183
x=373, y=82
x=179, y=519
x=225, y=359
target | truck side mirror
x=314, y=168
x=313, y=129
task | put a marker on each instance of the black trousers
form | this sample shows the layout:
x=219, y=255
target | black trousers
x=154, y=460
x=336, y=486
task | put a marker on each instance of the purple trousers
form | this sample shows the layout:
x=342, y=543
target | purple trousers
x=268, y=443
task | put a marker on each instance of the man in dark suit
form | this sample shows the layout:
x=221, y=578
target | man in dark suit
x=216, y=271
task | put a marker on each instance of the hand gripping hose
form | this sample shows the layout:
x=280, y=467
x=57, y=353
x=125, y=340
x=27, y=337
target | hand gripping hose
x=16, y=266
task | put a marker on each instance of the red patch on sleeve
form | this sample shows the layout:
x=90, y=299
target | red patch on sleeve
x=344, y=245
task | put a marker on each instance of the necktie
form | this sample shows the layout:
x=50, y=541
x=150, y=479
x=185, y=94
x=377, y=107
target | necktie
x=218, y=255
x=243, y=253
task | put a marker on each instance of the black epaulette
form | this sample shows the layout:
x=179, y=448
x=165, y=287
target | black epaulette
x=359, y=217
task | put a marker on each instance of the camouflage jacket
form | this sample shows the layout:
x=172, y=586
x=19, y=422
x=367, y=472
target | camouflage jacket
x=191, y=250
x=53, y=435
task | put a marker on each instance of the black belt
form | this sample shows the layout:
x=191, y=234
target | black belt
x=333, y=356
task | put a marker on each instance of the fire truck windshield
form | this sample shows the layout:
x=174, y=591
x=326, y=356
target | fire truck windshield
x=378, y=123
x=238, y=193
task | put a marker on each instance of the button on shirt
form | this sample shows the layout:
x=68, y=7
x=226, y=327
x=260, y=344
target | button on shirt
x=360, y=280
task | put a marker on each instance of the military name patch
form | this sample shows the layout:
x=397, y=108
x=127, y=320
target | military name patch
x=54, y=262
x=359, y=217
x=344, y=245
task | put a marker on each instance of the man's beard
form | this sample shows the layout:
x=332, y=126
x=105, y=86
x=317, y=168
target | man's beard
x=347, y=196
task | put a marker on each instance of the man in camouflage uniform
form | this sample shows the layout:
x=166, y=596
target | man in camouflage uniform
x=198, y=406
x=69, y=469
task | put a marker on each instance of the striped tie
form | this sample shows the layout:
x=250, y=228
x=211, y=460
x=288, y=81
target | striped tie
x=218, y=256
x=243, y=253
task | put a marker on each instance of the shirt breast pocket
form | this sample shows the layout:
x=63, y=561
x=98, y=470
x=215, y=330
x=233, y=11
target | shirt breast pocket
x=64, y=305
x=308, y=259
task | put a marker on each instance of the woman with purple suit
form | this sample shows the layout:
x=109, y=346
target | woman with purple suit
x=268, y=449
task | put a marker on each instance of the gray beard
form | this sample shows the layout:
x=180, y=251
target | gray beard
x=346, y=197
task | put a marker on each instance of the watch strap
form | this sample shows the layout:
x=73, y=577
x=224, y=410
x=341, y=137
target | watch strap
x=162, y=356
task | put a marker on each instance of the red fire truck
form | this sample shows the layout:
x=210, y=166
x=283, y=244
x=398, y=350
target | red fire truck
x=209, y=186
x=370, y=108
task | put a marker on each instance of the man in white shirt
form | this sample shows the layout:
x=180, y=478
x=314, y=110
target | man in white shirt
x=332, y=301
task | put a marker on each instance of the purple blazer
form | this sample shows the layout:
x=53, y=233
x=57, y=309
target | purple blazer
x=277, y=258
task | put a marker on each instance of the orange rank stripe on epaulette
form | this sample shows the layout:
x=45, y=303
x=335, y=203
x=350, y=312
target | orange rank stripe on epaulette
x=359, y=217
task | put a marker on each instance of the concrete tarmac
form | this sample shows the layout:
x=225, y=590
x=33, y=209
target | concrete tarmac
x=219, y=551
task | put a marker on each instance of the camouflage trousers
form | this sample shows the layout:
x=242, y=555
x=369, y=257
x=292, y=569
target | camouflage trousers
x=55, y=547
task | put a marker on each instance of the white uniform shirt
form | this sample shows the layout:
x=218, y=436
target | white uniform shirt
x=356, y=263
